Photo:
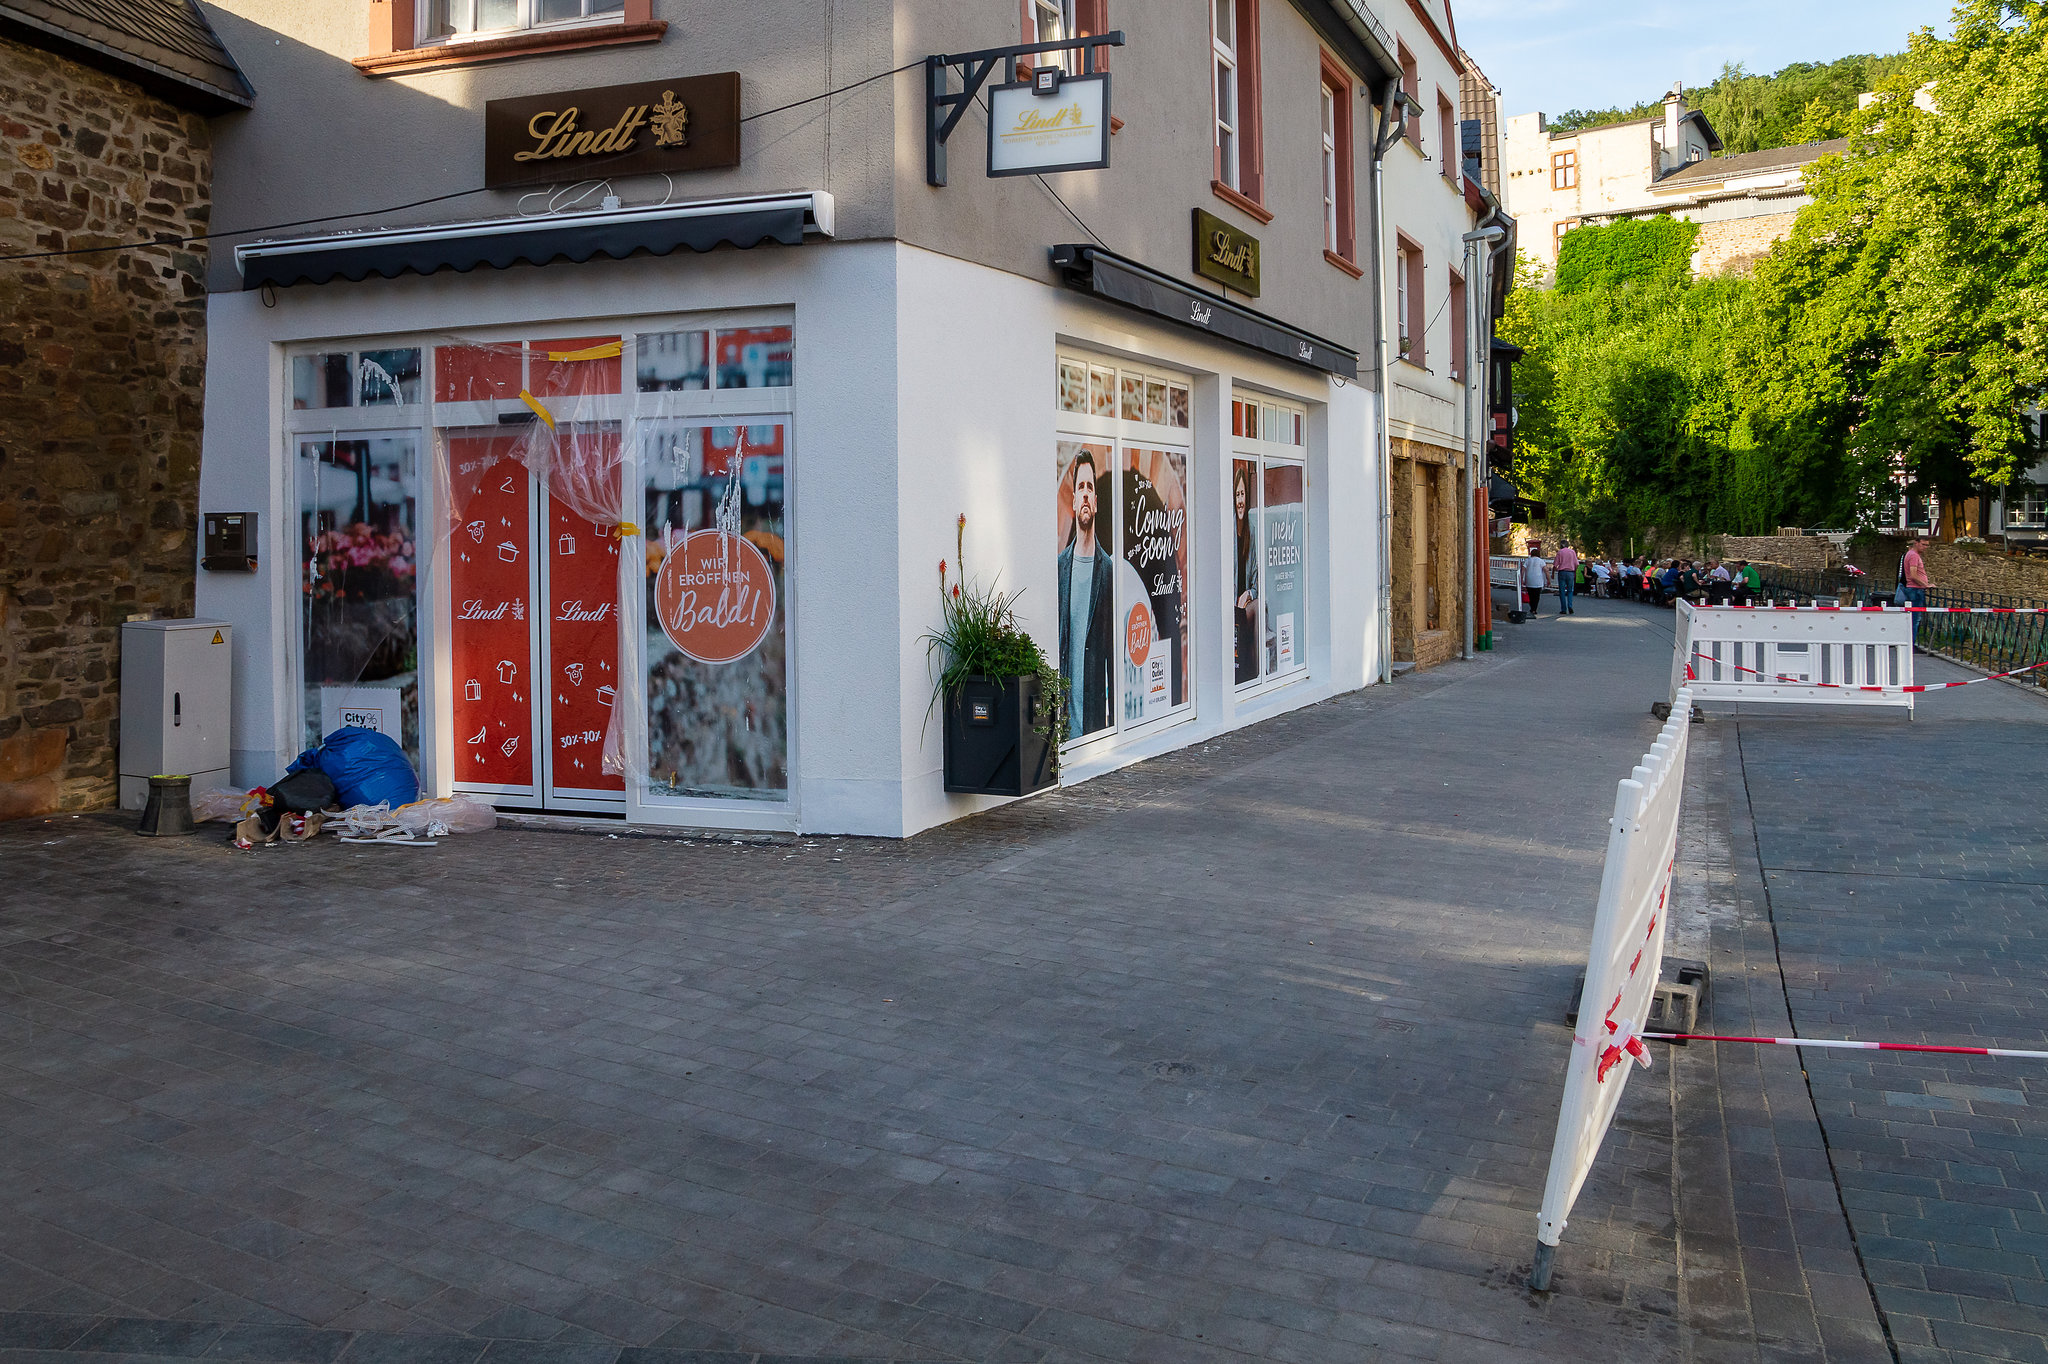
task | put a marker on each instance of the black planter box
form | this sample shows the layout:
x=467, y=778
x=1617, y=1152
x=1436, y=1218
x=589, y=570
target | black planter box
x=991, y=748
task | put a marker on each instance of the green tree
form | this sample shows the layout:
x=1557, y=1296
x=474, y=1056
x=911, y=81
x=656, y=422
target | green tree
x=1909, y=306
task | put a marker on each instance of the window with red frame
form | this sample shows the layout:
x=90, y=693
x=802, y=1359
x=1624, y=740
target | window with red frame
x=1457, y=311
x=1340, y=215
x=1447, y=137
x=1411, y=86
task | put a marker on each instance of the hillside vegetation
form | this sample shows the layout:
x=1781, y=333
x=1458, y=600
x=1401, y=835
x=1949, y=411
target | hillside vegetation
x=1804, y=102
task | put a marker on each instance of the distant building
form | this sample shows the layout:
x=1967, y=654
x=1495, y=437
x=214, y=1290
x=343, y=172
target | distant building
x=1479, y=116
x=1554, y=182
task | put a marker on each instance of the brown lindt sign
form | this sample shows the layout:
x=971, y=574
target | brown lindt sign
x=1226, y=255
x=676, y=125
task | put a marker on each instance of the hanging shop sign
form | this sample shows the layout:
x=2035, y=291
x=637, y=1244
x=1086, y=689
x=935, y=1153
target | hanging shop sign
x=715, y=596
x=1049, y=123
x=649, y=128
x=1226, y=255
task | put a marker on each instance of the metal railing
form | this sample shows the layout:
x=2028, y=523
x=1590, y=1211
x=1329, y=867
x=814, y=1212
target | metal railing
x=1994, y=643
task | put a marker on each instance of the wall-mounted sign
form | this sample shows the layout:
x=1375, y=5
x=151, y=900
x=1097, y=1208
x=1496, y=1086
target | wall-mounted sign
x=655, y=126
x=1226, y=255
x=1032, y=132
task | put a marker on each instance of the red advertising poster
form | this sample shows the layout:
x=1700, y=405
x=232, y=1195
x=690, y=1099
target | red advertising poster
x=490, y=567
x=583, y=647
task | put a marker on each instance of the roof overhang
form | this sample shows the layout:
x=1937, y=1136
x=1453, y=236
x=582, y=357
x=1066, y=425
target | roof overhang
x=1104, y=274
x=1356, y=36
x=205, y=82
x=703, y=225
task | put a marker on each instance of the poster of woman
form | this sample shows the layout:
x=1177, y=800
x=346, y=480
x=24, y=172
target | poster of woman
x=1244, y=601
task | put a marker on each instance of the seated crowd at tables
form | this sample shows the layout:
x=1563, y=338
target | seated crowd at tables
x=1644, y=579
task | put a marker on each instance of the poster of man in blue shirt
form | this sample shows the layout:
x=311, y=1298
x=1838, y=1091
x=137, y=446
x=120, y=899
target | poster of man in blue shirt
x=1087, y=589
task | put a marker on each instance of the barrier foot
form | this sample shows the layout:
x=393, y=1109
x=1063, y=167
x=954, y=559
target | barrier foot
x=1539, y=1274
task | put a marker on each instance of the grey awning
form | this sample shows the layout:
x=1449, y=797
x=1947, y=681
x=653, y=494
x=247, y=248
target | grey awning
x=503, y=242
x=1094, y=270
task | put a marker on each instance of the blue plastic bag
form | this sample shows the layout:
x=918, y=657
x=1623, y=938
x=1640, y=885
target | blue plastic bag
x=366, y=768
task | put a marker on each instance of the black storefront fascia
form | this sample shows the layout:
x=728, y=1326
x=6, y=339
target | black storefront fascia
x=1104, y=274
x=540, y=241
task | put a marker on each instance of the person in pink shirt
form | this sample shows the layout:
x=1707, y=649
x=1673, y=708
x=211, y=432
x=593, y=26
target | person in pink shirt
x=1566, y=565
x=1913, y=583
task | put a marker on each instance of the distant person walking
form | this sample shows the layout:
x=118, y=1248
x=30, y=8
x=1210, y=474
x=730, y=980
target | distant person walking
x=1534, y=566
x=1567, y=578
x=1913, y=582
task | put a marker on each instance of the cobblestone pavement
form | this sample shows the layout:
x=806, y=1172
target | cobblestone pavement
x=1908, y=879
x=1248, y=1052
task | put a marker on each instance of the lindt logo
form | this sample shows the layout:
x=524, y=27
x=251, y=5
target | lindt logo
x=1199, y=313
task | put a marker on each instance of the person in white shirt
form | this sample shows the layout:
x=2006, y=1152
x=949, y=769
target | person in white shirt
x=1535, y=573
x=1601, y=573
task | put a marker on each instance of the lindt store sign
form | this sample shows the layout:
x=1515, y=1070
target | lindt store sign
x=655, y=126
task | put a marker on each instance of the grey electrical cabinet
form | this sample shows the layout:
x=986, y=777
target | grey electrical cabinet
x=176, y=677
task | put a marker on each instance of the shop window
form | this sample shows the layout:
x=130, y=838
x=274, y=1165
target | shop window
x=1268, y=585
x=717, y=671
x=359, y=551
x=1122, y=513
x=371, y=378
x=672, y=362
x=452, y=20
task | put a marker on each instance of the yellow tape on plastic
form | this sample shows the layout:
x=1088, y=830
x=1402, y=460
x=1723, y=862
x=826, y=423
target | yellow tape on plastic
x=610, y=350
x=626, y=528
x=538, y=410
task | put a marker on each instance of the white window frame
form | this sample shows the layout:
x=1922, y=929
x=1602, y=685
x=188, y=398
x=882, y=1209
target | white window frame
x=1403, y=264
x=1223, y=44
x=2026, y=510
x=528, y=21
x=1263, y=453
x=1329, y=117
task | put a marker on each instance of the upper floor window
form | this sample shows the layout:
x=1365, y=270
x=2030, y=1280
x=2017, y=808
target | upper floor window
x=1234, y=56
x=1447, y=137
x=1226, y=92
x=1411, y=86
x=1053, y=20
x=1564, y=170
x=1329, y=169
x=445, y=20
x=1456, y=306
x=1340, y=234
x=1408, y=299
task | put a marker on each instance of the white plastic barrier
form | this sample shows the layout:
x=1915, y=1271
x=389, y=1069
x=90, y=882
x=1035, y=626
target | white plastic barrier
x=1621, y=972
x=1505, y=575
x=1796, y=656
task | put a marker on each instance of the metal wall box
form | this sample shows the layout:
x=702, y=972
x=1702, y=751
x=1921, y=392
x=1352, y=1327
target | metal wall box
x=176, y=681
x=230, y=542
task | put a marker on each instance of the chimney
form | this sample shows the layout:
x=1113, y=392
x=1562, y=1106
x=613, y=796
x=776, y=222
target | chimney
x=1674, y=110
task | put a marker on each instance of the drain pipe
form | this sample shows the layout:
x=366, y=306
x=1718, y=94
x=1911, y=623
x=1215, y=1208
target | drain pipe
x=1393, y=104
x=1476, y=307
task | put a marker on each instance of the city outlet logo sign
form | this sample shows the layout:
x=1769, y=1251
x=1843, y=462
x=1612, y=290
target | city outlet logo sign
x=692, y=123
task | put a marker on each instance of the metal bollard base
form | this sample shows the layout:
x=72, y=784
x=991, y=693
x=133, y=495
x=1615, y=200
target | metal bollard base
x=1539, y=1274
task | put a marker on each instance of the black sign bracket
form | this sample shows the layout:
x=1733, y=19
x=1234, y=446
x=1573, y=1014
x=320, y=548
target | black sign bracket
x=944, y=107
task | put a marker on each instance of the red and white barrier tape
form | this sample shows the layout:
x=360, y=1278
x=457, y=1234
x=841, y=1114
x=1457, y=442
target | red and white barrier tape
x=1784, y=681
x=1851, y=1046
x=1921, y=610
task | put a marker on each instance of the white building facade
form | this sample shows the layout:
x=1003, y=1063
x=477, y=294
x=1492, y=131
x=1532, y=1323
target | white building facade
x=501, y=446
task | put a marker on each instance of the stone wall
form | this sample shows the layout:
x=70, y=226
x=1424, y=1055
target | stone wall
x=1793, y=551
x=102, y=359
x=1965, y=568
x=1413, y=642
x=1734, y=245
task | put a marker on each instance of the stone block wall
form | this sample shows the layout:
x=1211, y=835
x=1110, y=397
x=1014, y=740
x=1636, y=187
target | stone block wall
x=102, y=360
x=1424, y=647
x=1734, y=245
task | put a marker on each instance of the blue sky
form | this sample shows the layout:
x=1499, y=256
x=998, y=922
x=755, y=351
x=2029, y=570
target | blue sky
x=1556, y=55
